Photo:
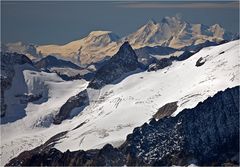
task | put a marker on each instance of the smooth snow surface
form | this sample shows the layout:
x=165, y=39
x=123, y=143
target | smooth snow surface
x=115, y=110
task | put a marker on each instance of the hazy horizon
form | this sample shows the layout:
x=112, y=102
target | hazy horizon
x=59, y=22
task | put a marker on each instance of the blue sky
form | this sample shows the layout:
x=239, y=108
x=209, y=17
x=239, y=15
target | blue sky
x=59, y=22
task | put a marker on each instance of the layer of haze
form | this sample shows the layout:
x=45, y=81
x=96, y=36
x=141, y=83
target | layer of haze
x=50, y=22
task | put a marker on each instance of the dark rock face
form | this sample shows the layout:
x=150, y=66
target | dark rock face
x=67, y=77
x=145, y=53
x=198, y=47
x=200, y=62
x=80, y=100
x=5, y=84
x=166, y=110
x=164, y=62
x=184, y=56
x=66, y=70
x=25, y=98
x=51, y=61
x=123, y=62
x=8, y=60
x=53, y=157
x=205, y=135
x=160, y=64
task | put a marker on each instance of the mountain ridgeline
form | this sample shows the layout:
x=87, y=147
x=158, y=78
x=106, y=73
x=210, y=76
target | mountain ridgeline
x=205, y=135
x=171, y=32
x=51, y=62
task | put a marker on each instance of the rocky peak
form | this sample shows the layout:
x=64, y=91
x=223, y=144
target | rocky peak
x=126, y=51
x=123, y=62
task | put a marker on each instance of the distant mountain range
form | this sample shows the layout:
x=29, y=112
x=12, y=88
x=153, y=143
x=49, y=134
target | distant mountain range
x=169, y=32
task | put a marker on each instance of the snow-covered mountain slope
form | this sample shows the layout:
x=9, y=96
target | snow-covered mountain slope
x=116, y=109
x=25, y=131
x=170, y=31
x=196, y=136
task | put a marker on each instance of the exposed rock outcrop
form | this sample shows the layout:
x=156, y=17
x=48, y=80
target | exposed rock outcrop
x=160, y=64
x=146, y=54
x=80, y=100
x=200, y=62
x=165, y=62
x=166, y=110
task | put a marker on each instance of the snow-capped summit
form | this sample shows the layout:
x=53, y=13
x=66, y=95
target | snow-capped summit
x=176, y=33
x=109, y=34
x=101, y=38
x=92, y=48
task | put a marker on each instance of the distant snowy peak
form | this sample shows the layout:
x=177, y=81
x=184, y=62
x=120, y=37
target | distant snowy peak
x=176, y=33
x=101, y=38
x=154, y=33
x=106, y=34
x=94, y=47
